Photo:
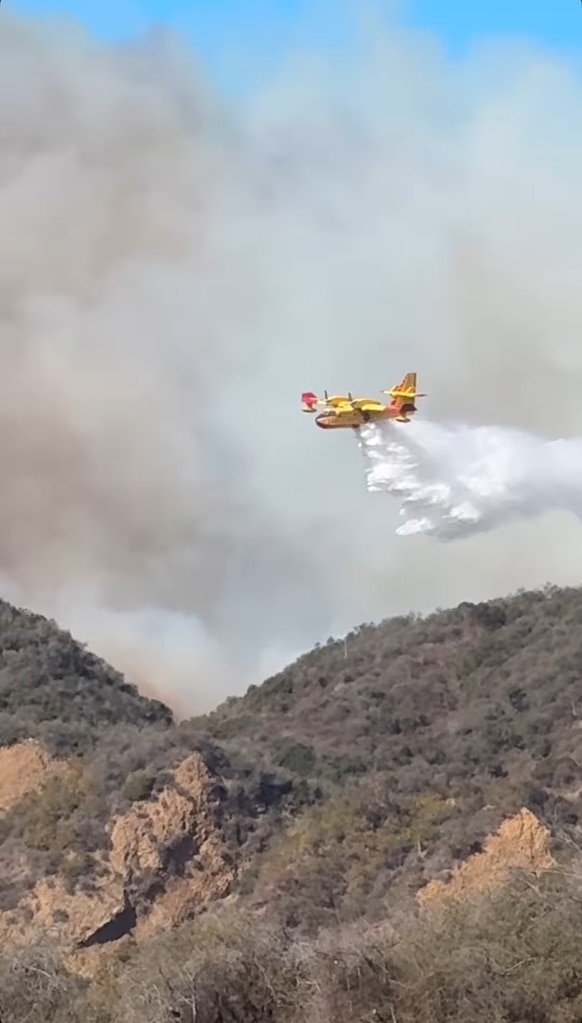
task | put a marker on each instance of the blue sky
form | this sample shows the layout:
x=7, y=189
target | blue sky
x=240, y=41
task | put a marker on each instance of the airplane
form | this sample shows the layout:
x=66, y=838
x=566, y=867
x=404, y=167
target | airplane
x=342, y=411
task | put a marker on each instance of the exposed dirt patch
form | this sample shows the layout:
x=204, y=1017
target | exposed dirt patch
x=167, y=859
x=24, y=768
x=521, y=841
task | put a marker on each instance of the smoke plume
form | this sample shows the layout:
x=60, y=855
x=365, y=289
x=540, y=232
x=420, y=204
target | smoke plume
x=176, y=267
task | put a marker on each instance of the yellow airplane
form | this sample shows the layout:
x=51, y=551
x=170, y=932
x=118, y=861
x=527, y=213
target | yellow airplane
x=342, y=411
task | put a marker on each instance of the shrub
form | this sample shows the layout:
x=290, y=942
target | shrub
x=139, y=785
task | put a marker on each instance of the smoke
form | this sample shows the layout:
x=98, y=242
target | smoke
x=456, y=481
x=176, y=268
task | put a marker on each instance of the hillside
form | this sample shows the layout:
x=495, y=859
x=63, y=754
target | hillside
x=80, y=749
x=53, y=689
x=421, y=735
x=317, y=815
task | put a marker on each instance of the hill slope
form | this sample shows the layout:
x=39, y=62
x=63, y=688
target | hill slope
x=104, y=801
x=52, y=688
x=341, y=789
x=478, y=684
x=420, y=735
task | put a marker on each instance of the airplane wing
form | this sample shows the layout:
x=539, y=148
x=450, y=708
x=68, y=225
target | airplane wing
x=339, y=402
x=367, y=404
x=402, y=394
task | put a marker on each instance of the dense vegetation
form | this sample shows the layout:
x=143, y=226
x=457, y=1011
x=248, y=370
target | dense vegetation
x=512, y=957
x=413, y=739
x=53, y=689
x=349, y=779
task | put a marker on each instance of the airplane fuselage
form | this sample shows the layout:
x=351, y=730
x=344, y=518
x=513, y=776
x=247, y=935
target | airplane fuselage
x=358, y=417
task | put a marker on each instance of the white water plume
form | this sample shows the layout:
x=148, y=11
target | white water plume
x=455, y=480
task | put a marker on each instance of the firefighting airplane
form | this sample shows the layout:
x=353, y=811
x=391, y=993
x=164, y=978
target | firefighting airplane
x=342, y=411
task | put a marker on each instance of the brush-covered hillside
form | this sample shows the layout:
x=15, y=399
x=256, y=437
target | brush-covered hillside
x=299, y=854
x=413, y=739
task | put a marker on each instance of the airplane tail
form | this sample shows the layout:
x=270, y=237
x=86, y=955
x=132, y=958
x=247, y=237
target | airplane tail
x=403, y=396
x=405, y=391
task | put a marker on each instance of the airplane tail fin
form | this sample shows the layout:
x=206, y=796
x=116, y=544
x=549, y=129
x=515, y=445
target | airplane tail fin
x=405, y=392
x=403, y=396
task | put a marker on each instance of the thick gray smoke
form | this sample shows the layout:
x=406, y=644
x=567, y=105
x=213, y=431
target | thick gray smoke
x=175, y=270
